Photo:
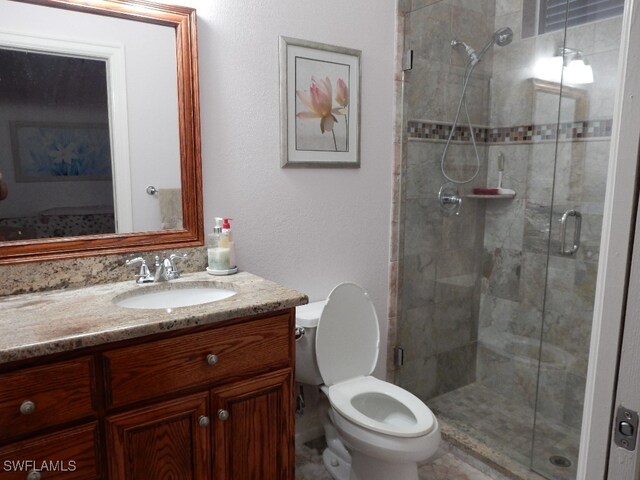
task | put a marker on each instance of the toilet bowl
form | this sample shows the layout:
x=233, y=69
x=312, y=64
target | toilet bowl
x=386, y=430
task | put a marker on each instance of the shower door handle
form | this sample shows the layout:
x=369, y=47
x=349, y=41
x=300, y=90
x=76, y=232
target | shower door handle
x=576, y=232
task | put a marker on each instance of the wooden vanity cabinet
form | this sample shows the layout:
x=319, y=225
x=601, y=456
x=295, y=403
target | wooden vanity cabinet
x=205, y=403
x=215, y=404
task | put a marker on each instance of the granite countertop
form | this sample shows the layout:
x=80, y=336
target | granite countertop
x=36, y=324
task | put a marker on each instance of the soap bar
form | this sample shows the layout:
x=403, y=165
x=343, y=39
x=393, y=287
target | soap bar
x=485, y=191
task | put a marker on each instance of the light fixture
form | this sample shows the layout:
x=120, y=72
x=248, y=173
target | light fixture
x=568, y=65
x=576, y=68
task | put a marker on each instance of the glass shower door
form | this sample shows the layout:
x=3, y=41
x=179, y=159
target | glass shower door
x=494, y=320
x=575, y=209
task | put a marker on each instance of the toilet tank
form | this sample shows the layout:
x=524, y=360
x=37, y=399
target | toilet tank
x=307, y=317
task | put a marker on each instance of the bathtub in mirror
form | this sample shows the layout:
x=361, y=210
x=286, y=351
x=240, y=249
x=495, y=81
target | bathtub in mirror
x=92, y=118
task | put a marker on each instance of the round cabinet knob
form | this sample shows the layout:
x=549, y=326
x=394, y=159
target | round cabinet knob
x=223, y=414
x=26, y=408
x=212, y=359
x=203, y=421
x=34, y=475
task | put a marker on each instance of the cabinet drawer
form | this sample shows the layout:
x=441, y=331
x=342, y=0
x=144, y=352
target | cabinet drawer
x=34, y=398
x=155, y=368
x=69, y=455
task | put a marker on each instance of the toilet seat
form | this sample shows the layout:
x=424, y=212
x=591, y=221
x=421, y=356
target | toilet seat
x=347, y=335
x=381, y=407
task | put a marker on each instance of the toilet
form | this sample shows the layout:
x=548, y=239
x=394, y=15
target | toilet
x=386, y=430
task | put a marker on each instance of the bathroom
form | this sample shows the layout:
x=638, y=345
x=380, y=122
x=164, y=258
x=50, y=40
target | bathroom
x=310, y=229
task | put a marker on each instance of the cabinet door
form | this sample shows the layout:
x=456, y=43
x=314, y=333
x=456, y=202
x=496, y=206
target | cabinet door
x=165, y=441
x=253, y=431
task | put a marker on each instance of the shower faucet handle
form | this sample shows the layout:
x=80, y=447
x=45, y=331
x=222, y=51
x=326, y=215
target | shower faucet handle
x=450, y=200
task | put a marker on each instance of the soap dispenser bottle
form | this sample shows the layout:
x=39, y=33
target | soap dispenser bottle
x=213, y=246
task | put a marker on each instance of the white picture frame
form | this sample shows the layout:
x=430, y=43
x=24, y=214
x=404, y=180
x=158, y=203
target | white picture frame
x=319, y=105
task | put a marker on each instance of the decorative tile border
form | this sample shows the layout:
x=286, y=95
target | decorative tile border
x=566, y=131
x=441, y=131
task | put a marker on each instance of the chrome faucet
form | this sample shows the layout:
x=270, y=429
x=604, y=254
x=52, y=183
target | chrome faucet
x=159, y=273
x=164, y=270
x=144, y=275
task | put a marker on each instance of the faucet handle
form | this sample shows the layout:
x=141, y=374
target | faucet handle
x=144, y=275
x=172, y=260
x=133, y=261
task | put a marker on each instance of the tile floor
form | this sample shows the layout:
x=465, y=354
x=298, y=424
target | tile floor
x=505, y=427
x=494, y=425
x=445, y=467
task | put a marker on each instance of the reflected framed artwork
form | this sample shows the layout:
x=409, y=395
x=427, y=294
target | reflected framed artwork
x=319, y=105
x=50, y=152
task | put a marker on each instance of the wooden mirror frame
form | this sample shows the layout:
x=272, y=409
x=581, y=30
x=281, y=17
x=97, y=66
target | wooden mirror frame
x=183, y=20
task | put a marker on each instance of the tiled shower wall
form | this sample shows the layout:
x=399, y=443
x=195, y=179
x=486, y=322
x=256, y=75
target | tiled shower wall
x=438, y=275
x=481, y=275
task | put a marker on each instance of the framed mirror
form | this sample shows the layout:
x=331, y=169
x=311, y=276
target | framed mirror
x=99, y=129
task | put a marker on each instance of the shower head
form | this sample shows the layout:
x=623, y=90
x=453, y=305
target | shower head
x=473, y=56
x=503, y=36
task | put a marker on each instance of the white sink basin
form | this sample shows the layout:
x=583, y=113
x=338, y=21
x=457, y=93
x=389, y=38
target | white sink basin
x=173, y=296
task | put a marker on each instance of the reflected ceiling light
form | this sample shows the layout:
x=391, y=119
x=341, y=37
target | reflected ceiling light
x=568, y=65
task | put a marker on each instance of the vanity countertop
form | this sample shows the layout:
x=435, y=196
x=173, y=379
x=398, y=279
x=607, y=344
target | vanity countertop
x=36, y=324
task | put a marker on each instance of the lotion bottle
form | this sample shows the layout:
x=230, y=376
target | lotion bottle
x=226, y=239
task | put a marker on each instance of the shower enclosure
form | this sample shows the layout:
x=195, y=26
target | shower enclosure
x=496, y=291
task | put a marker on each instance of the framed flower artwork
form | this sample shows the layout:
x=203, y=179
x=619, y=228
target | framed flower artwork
x=319, y=105
x=54, y=152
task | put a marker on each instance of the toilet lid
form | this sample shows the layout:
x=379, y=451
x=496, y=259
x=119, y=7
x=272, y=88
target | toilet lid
x=348, y=336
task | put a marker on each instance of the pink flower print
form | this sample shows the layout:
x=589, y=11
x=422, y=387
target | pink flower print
x=319, y=103
x=342, y=95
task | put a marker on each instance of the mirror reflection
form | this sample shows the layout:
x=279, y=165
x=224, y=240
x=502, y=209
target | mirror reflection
x=89, y=120
x=56, y=169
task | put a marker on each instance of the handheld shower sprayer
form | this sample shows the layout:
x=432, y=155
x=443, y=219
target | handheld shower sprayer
x=501, y=37
x=473, y=56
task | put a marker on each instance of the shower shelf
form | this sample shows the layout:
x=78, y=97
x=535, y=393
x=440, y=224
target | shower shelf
x=493, y=197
